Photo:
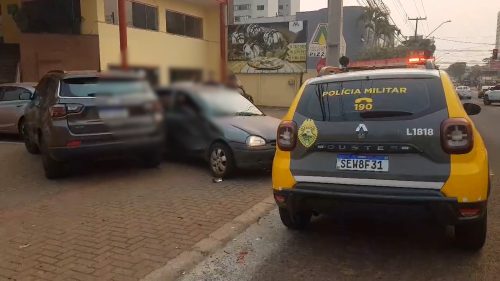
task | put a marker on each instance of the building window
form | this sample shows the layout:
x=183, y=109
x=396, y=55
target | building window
x=241, y=18
x=260, y=7
x=245, y=7
x=138, y=15
x=144, y=16
x=281, y=7
x=185, y=25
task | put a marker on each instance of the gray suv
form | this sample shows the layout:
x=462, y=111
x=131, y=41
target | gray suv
x=93, y=115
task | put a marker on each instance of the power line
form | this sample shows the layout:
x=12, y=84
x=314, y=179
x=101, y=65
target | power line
x=416, y=24
x=466, y=42
x=401, y=13
x=425, y=15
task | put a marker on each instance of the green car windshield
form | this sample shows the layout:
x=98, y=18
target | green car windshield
x=229, y=103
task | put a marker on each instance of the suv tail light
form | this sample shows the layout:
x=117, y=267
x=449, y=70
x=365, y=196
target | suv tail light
x=61, y=110
x=287, y=135
x=456, y=136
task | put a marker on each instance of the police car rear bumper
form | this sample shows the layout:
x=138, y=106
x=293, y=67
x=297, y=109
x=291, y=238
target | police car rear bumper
x=325, y=197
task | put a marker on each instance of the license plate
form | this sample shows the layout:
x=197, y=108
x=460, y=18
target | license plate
x=346, y=162
x=113, y=113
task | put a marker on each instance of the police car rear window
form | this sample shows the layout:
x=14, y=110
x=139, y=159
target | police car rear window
x=372, y=99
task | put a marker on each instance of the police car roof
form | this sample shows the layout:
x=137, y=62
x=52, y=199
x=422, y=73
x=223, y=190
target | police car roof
x=377, y=74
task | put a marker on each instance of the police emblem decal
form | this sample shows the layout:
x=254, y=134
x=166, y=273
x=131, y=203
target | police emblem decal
x=308, y=133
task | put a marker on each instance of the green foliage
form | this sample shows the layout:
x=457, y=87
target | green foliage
x=401, y=51
x=377, y=21
x=457, y=70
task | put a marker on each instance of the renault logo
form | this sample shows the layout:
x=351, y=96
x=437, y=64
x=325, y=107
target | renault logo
x=362, y=131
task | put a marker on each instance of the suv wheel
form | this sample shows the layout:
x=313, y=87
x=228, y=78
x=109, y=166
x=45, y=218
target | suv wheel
x=152, y=159
x=221, y=160
x=295, y=220
x=53, y=169
x=486, y=101
x=31, y=147
x=471, y=235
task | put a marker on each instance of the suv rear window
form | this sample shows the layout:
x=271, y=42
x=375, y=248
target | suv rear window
x=372, y=99
x=99, y=87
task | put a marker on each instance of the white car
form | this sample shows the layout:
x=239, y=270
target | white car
x=491, y=96
x=464, y=92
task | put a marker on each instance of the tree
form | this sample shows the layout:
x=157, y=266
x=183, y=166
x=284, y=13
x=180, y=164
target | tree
x=377, y=21
x=474, y=74
x=457, y=70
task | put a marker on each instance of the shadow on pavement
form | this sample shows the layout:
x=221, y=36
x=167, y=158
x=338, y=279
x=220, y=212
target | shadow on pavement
x=371, y=245
x=10, y=138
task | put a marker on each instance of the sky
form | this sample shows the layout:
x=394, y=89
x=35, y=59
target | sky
x=472, y=21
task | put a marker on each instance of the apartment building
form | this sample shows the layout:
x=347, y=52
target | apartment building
x=246, y=10
x=288, y=7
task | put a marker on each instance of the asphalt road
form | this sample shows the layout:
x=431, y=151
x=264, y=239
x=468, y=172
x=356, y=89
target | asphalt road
x=363, y=245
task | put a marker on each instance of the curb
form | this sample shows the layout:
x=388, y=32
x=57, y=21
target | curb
x=216, y=240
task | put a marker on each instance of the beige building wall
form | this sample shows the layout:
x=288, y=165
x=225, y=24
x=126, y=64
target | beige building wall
x=274, y=89
x=161, y=50
x=271, y=89
x=8, y=28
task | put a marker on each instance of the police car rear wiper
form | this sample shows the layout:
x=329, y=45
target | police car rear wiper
x=382, y=114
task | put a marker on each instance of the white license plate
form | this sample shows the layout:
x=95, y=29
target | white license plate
x=347, y=162
x=114, y=113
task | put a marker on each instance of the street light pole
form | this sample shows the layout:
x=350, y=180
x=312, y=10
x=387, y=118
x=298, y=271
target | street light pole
x=443, y=23
x=335, y=19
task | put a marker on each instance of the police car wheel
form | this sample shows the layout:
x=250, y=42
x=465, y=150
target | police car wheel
x=221, y=160
x=295, y=220
x=471, y=235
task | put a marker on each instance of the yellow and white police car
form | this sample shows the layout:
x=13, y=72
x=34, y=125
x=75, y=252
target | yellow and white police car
x=389, y=136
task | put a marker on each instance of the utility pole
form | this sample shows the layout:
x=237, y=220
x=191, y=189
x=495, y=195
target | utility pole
x=416, y=24
x=122, y=18
x=335, y=20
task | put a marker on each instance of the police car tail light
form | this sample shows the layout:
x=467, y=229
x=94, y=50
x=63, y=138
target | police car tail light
x=457, y=136
x=287, y=135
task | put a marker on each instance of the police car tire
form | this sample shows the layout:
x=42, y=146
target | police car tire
x=296, y=220
x=471, y=235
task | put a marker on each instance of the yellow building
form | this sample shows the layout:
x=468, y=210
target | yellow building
x=170, y=39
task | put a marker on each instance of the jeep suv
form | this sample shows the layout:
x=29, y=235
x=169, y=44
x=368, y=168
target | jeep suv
x=385, y=136
x=93, y=115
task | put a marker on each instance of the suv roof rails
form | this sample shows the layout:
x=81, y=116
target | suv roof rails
x=56, y=71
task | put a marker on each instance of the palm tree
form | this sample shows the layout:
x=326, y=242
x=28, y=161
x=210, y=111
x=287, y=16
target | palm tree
x=377, y=21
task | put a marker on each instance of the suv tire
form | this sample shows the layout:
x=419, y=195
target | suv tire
x=151, y=160
x=53, y=169
x=221, y=160
x=486, y=101
x=295, y=220
x=471, y=235
x=31, y=147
